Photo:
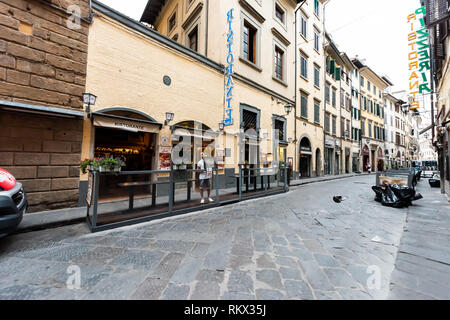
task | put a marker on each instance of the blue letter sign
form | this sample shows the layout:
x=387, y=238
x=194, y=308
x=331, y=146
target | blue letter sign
x=228, y=121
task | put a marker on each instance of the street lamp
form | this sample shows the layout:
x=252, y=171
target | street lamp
x=169, y=117
x=288, y=108
x=89, y=99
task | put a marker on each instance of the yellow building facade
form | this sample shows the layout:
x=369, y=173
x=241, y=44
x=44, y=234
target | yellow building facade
x=371, y=87
x=135, y=94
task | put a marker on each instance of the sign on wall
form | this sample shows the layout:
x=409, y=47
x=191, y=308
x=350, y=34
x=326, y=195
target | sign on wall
x=229, y=83
x=165, y=158
x=418, y=57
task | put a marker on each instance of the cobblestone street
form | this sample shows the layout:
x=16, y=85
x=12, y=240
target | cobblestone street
x=299, y=245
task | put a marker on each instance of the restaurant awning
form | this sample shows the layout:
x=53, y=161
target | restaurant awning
x=123, y=123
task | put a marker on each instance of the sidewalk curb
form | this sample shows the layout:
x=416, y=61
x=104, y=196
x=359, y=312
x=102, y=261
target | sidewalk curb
x=69, y=216
x=315, y=180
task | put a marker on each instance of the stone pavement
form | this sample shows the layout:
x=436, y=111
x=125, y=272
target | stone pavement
x=298, y=245
x=422, y=268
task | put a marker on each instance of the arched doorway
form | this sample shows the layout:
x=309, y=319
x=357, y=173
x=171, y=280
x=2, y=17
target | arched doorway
x=318, y=163
x=305, y=158
x=130, y=136
x=127, y=134
x=366, y=158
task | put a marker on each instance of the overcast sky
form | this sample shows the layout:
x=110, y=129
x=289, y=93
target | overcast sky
x=373, y=30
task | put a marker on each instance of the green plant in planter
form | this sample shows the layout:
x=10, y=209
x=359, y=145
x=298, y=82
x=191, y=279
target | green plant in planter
x=85, y=164
x=92, y=164
x=111, y=164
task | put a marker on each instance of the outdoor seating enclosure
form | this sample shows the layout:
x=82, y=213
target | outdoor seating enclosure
x=155, y=194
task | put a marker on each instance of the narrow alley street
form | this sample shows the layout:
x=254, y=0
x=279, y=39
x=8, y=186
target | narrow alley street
x=299, y=245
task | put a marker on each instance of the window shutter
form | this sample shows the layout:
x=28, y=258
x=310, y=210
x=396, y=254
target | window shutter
x=337, y=74
x=332, y=67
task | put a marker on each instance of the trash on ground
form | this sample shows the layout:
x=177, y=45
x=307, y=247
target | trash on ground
x=338, y=199
x=395, y=196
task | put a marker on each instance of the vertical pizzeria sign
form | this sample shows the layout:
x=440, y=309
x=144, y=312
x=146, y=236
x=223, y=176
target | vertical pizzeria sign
x=418, y=57
x=229, y=83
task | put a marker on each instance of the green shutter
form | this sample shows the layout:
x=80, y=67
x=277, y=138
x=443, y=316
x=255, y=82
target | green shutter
x=337, y=74
x=332, y=66
x=359, y=114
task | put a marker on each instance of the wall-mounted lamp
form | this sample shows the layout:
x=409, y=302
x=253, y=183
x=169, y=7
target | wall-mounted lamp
x=169, y=118
x=288, y=108
x=221, y=126
x=89, y=99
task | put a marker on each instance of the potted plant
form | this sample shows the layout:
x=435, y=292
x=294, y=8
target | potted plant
x=85, y=164
x=109, y=164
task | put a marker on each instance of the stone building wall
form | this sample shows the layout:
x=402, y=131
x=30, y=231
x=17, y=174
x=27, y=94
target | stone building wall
x=43, y=62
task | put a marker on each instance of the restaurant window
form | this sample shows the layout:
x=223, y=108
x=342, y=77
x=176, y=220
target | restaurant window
x=279, y=60
x=193, y=39
x=280, y=127
x=304, y=106
x=249, y=42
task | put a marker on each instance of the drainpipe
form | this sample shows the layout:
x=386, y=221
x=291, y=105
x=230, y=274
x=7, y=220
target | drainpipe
x=295, y=96
x=207, y=28
x=324, y=82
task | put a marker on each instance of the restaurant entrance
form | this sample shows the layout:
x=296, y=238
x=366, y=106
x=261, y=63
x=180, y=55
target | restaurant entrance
x=131, y=137
x=135, y=149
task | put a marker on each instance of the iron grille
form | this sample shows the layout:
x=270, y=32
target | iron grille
x=279, y=125
x=249, y=120
x=437, y=10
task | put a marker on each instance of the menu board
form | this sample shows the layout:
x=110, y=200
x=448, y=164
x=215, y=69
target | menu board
x=165, y=157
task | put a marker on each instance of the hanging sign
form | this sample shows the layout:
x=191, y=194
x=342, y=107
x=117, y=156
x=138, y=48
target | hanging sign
x=418, y=57
x=229, y=83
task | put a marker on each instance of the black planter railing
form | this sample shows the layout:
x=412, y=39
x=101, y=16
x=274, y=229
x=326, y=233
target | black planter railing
x=130, y=197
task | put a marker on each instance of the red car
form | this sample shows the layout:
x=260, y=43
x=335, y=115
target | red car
x=13, y=203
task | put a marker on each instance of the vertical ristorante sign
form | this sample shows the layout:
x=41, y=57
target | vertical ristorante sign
x=229, y=83
x=418, y=57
